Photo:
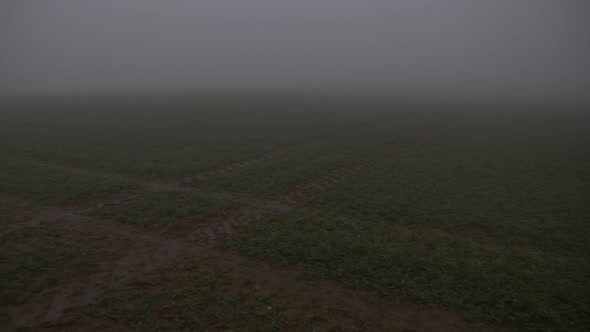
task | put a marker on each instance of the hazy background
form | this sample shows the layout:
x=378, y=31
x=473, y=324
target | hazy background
x=535, y=50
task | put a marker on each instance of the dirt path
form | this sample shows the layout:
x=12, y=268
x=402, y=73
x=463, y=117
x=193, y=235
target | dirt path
x=160, y=251
x=56, y=214
x=292, y=200
x=70, y=167
x=330, y=304
x=278, y=153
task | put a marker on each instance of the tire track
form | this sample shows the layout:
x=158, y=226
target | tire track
x=278, y=153
x=50, y=312
x=82, y=292
x=291, y=201
x=52, y=215
x=161, y=251
x=71, y=167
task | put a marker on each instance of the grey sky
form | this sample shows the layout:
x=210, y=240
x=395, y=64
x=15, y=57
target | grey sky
x=537, y=49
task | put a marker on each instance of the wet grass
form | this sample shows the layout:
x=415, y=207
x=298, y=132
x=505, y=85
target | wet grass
x=168, y=160
x=494, y=184
x=500, y=285
x=217, y=295
x=164, y=139
x=159, y=210
x=284, y=174
x=488, y=217
x=34, y=259
x=191, y=296
x=14, y=209
x=47, y=185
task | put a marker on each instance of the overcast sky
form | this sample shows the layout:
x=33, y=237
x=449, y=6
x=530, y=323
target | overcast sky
x=536, y=49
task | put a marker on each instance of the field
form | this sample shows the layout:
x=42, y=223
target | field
x=313, y=214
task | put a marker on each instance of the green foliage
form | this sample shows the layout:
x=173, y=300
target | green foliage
x=161, y=209
x=166, y=139
x=488, y=215
x=500, y=285
x=41, y=184
x=11, y=209
x=30, y=254
x=284, y=174
x=190, y=298
x=172, y=160
x=489, y=181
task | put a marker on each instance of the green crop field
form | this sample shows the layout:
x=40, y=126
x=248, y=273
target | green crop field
x=272, y=214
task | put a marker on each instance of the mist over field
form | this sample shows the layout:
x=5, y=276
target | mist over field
x=527, y=50
x=294, y=165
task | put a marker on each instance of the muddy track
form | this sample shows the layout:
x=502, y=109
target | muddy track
x=57, y=301
x=155, y=251
x=292, y=201
x=183, y=184
x=55, y=214
x=190, y=184
x=113, y=275
x=160, y=251
x=52, y=215
x=278, y=153
x=70, y=167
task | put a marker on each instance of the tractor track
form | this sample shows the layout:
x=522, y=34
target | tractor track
x=55, y=214
x=279, y=153
x=160, y=251
x=293, y=200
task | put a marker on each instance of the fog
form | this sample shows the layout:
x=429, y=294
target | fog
x=526, y=50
